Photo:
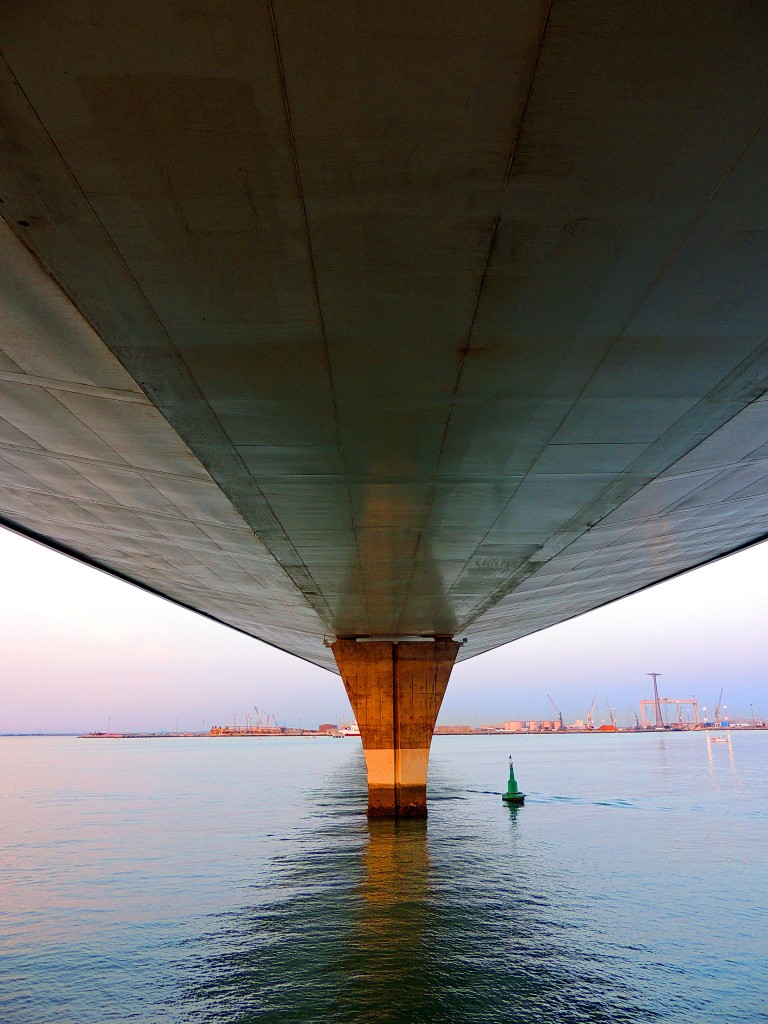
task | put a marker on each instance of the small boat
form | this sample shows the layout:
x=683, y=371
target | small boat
x=719, y=739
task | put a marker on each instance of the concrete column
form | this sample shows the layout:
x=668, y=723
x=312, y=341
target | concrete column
x=396, y=689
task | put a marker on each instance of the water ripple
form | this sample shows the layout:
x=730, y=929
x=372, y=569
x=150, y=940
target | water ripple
x=132, y=896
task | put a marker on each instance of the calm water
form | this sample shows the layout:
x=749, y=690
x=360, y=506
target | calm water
x=236, y=880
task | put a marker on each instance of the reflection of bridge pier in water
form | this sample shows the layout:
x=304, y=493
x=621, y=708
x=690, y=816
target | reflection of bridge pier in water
x=388, y=962
x=396, y=864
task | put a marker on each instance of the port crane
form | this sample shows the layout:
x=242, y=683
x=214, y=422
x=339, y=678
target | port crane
x=634, y=713
x=591, y=714
x=557, y=711
x=263, y=725
x=718, y=707
x=611, y=713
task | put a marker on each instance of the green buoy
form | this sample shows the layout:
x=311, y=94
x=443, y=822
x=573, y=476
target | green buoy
x=513, y=794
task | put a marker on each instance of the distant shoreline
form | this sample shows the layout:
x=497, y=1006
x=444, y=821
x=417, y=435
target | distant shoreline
x=313, y=734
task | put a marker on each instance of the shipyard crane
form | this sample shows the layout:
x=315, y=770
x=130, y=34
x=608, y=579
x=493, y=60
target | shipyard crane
x=263, y=724
x=611, y=713
x=557, y=711
x=634, y=713
x=591, y=714
x=718, y=706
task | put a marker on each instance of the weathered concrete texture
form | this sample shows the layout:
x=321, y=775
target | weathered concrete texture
x=396, y=690
x=385, y=322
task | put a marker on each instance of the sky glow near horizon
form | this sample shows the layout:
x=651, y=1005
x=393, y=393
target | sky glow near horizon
x=84, y=651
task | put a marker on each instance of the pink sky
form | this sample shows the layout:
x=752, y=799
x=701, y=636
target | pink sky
x=82, y=650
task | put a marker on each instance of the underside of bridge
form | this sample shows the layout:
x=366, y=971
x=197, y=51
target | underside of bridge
x=385, y=324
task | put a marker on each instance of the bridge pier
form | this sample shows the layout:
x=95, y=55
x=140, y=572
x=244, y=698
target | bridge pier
x=396, y=689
